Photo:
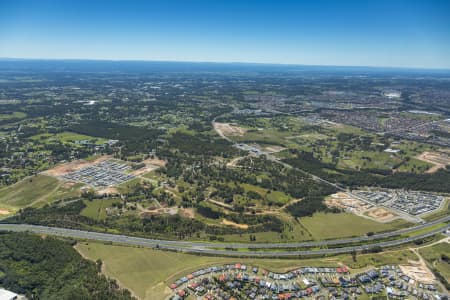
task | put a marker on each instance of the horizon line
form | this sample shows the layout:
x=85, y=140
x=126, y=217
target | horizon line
x=224, y=62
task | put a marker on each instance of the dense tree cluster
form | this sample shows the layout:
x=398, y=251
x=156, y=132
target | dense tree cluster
x=48, y=268
x=134, y=139
x=168, y=226
x=437, y=182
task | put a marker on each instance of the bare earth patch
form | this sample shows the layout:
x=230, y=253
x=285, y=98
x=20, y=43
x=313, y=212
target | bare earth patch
x=151, y=164
x=4, y=212
x=231, y=223
x=155, y=162
x=68, y=184
x=418, y=271
x=66, y=168
x=439, y=159
x=234, y=162
x=159, y=211
x=381, y=214
x=221, y=204
x=229, y=129
x=348, y=203
x=187, y=212
x=345, y=201
x=108, y=190
x=274, y=149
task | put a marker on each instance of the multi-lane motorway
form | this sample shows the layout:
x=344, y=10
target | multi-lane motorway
x=216, y=249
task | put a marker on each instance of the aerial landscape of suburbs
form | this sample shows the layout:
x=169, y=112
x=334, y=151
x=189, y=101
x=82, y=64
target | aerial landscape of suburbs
x=159, y=178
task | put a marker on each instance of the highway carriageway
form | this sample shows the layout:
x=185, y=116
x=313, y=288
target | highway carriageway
x=199, y=248
x=231, y=245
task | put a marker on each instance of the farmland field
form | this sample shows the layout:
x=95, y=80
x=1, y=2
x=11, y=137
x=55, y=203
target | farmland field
x=326, y=226
x=12, y=116
x=67, y=137
x=95, y=209
x=28, y=191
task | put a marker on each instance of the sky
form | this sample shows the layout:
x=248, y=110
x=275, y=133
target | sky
x=392, y=33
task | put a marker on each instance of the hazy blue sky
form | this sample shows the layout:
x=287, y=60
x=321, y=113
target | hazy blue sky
x=405, y=33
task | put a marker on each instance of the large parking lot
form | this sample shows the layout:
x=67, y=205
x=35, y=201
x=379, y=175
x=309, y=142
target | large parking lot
x=103, y=174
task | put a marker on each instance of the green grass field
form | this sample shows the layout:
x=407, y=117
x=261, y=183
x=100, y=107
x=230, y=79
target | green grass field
x=320, y=226
x=327, y=226
x=14, y=115
x=67, y=137
x=96, y=209
x=126, y=187
x=433, y=255
x=277, y=197
x=63, y=193
x=148, y=272
x=28, y=191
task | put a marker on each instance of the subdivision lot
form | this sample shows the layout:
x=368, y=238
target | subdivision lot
x=101, y=174
x=411, y=202
x=349, y=203
x=66, y=168
x=148, y=272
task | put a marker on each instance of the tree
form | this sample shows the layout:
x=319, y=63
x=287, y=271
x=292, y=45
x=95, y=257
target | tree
x=353, y=255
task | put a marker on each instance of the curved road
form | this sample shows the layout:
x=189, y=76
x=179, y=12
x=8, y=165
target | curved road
x=199, y=247
x=310, y=244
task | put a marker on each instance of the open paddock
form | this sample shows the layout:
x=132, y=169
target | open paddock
x=69, y=167
x=439, y=159
x=381, y=214
x=229, y=129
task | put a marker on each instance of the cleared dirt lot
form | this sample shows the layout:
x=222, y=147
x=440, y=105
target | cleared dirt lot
x=159, y=211
x=66, y=168
x=231, y=223
x=439, y=159
x=109, y=190
x=273, y=149
x=229, y=129
x=151, y=164
x=346, y=202
x=381, y=214
x=187, y=212
x=418, y=271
